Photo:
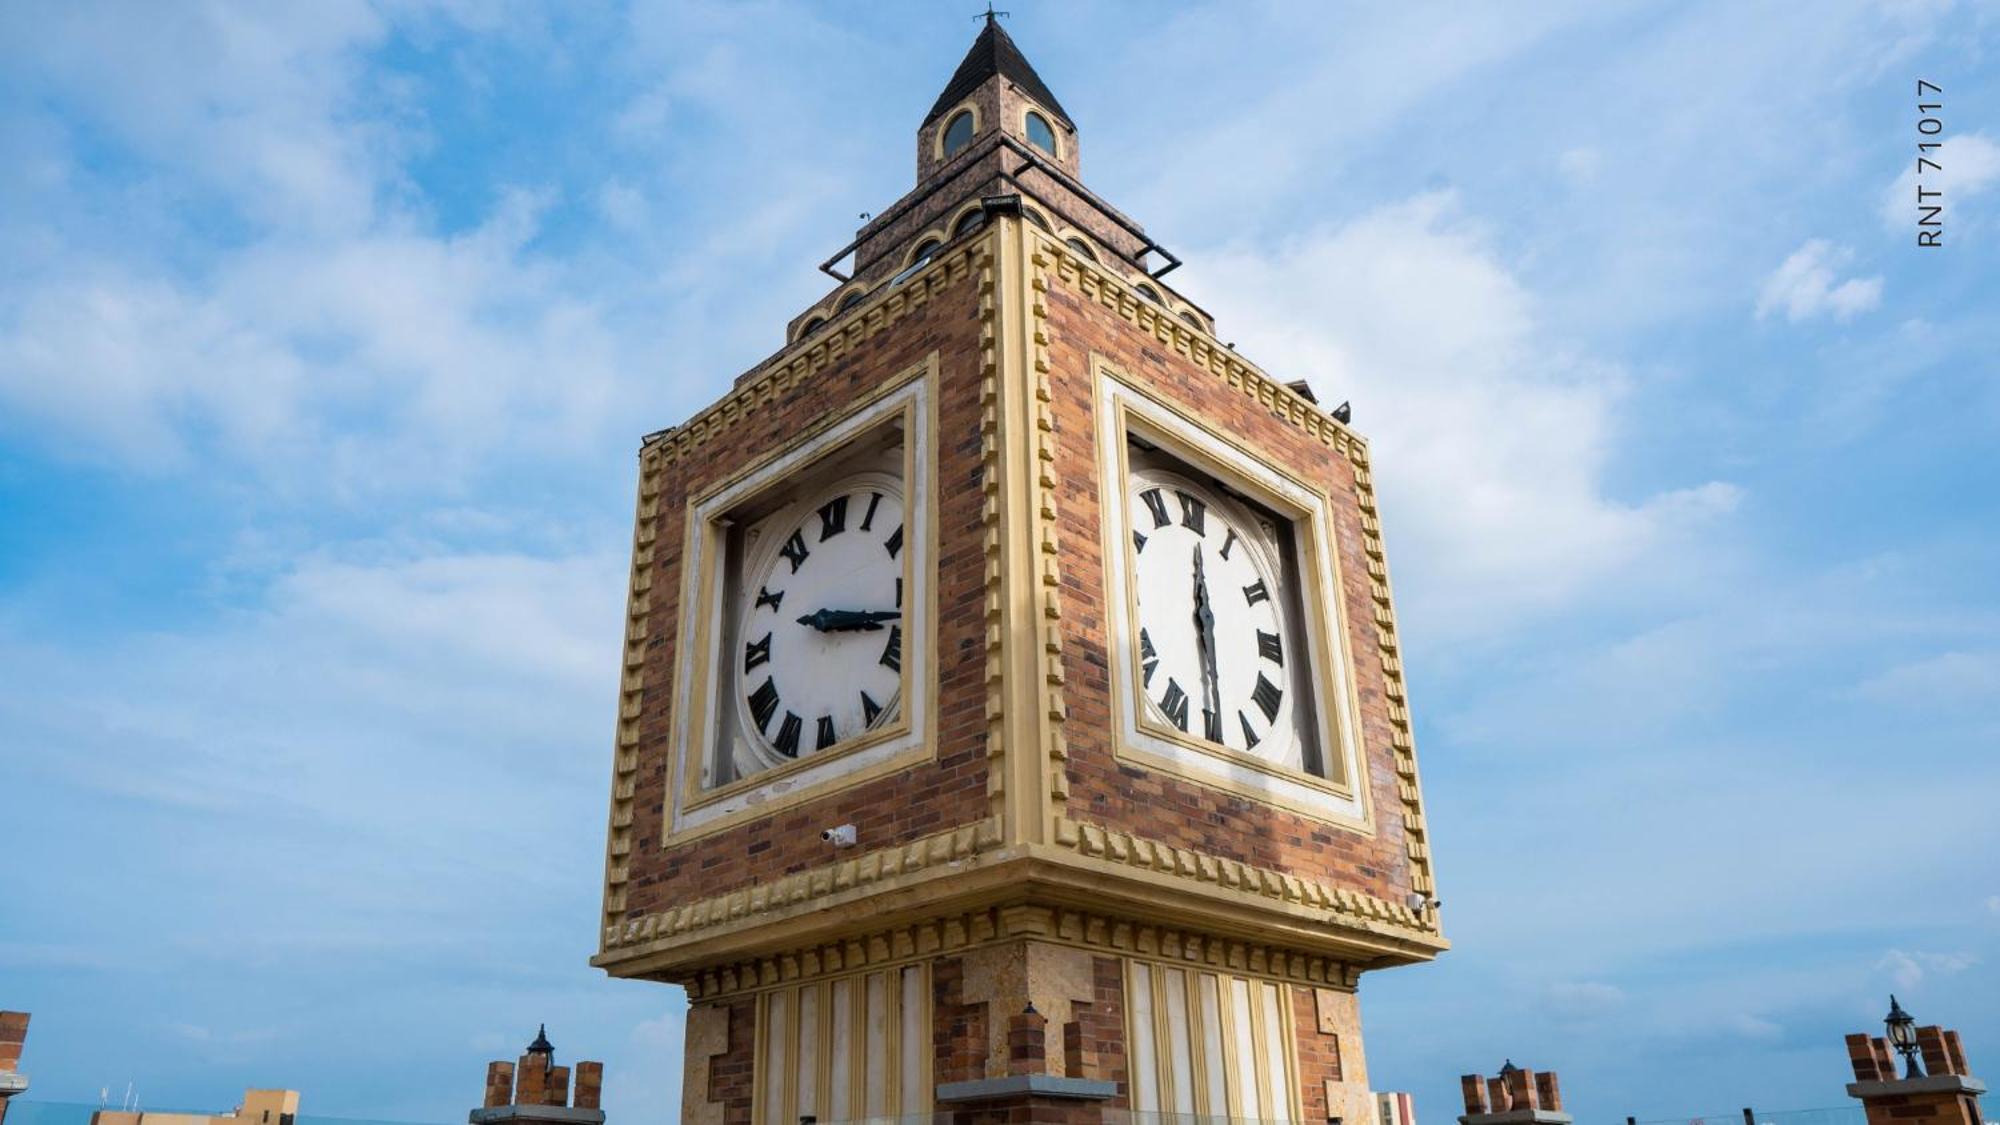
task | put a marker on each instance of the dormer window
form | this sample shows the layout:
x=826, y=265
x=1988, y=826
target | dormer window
x=958, y=132
x=1039, y=133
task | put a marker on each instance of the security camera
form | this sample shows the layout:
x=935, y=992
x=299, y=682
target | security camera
x=840, y=837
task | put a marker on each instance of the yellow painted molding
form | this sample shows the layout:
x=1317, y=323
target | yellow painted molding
x=814, y=885
x=952, y=933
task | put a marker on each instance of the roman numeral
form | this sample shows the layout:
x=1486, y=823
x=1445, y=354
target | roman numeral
x=869, y=709
x=767, y=598
x=832, y=518
x=795, y=550
x=1255, y=592
x=1194, y=513
x=764, y=703
x=899, y=593
x=1175, y=704
x=826, y=736
x=1249, y=736
x=892, y=653
x=1267, y=695
x=894, y=544
x=757, y=652
x=1158, y=504
x=1270, y=647
x=1228, y=541
x=1138, y=542
x=787, y=742
x=1150, y=659
x=1211, y=725
x=868, y=519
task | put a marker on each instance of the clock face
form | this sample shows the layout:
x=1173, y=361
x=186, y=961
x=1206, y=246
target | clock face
x=1214, y=647
x=820, y=630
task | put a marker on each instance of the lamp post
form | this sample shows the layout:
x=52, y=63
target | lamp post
x=1903, y=1037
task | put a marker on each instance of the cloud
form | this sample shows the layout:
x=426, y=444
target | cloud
x=1494, y=436
x=1956, y=680
x=1967, y=165
x=1907, y=970
x=1804, y=285
x=1581, y=1000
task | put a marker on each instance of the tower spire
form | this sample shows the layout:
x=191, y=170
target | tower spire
x=994, y=53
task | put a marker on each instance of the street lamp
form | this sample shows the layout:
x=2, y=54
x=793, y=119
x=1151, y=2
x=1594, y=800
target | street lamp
x=1903, y=1037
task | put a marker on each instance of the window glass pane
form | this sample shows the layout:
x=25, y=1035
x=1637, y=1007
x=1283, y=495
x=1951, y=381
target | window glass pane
x=1039, y=133
x=973, y=221
x=958, y=132
x=1081, y=247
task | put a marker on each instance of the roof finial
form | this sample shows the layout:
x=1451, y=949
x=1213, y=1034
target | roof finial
x=991, y=16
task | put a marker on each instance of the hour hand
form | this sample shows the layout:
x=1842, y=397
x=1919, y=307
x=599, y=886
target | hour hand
x=849, y=620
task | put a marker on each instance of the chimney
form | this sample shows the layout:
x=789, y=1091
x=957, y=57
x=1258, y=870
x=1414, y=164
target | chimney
x=535, y=1091
x=13, y=1037
x=1515, y=1096
x=1946, y=1094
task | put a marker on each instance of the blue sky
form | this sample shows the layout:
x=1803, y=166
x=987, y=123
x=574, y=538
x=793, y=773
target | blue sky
x=328, y=331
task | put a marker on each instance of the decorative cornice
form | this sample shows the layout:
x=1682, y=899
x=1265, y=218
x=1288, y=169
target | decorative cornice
x=805, y=887
x=1253, y=882
x=1055, y=707
x=1096, y=283
x=1416, y=833
x=631, y=685
x=822, y=350
x=952, y=933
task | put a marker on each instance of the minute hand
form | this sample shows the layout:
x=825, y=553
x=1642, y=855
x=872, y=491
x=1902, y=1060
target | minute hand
x=1204, y=617
x=849, y=620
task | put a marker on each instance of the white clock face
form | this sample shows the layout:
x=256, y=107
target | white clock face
x=819, y=657
x=1214, y=648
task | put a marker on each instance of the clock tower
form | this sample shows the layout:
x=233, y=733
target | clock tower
x=1012, y=717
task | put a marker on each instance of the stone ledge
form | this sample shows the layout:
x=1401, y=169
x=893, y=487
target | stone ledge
x=1930, y=1084
x=1045, y=1085
x=555, y=1114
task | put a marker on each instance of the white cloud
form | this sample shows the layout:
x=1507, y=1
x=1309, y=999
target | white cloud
x=1907, y=970
x=1805, y=285
x=1582, y=999
x=1967, y=165
x=1967, y=680
x=1493, y=435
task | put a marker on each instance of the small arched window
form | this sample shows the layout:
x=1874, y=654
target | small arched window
x=812, y=326
x=1035, y=217
x=924, y=254
x=1039, y=133
x=1150, y=293
x=1081, y=247
x=972, y=221
x=851, y=300
x=1194, y=320
x=957, y=132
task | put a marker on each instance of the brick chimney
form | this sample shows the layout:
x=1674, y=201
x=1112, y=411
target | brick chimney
x=1945, y=1095
x=13, y=1035
x=1515, y=1096
x=535, y=1091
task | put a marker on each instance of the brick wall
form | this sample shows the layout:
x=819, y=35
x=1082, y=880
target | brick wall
x=1318, y=1054
x=930, y=798
x=1164, y=806
x=1093, y=1042
x=958, y=1029
x=732, y=1076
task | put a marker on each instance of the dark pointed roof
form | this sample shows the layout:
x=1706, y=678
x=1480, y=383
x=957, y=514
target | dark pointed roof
x=541, y=1045
x=994, y=53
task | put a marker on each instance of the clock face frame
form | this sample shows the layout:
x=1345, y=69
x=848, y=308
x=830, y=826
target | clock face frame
x=819, y=632
x=1326, y=775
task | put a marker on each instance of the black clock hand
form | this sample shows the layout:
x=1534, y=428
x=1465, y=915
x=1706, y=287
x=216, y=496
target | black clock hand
x=1204, y=619
x=849, y=620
